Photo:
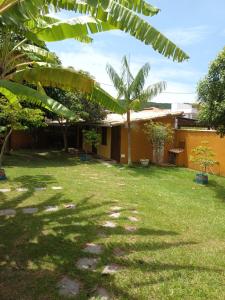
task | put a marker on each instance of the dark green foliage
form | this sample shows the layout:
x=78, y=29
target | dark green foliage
x=211, y=94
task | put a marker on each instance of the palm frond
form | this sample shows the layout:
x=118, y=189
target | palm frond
x=139, y=81
x=117, y=81
x=152, y=91
x=126, y=73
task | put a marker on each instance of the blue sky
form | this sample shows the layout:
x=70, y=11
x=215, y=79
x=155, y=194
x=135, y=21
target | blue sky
x=197, y=26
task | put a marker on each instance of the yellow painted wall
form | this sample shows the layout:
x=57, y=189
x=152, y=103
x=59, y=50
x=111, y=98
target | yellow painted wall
x=105, y=150
x=140, y=146
x=102, y=150
x=192, y=139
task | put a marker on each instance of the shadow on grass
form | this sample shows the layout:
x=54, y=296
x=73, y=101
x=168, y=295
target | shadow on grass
x=34, y=159
x=37, y=250
x=218, y=189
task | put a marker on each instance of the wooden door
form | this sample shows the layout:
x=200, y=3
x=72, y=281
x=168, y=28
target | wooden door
x=115, y=143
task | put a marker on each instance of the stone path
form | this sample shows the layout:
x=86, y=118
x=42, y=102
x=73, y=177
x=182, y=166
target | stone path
x=22, y=190
x=86, y=263
x=130, y=228
x=111, y=269
x=30, y=210
x=56, y=188
x=115, y=215
x=133, y=219
x=36, y=189
x=7, y=212
x=51, y=208
x=33, y=210
x=69, y=287
x=109, y=224
x=115, y=208
x=5, y=190
x=93, y=248
x=102, y=294
x=39, y=189
x=70, y=206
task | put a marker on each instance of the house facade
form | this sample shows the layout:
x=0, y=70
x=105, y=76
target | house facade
x=113, y=132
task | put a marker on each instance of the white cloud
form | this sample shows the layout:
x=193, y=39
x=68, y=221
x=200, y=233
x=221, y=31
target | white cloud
x=89, y=59
x=188, y=36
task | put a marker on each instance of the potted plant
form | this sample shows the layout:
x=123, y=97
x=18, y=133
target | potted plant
x=203, y=156
x=158, y=134
x=92, y=139
x=144, y=162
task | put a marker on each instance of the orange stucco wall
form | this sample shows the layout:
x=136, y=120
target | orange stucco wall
x=192, y=139
x=140, y=146
x=105, y=150
x=20, y=139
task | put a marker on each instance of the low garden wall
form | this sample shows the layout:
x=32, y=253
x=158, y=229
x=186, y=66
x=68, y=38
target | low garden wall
x=193, y=138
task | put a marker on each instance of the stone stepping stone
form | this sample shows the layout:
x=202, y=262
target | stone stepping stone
x=115, y=215
x=111, y=269
x=109, y=224
x=38, y=189
x=5, y=190
x=102, y=234
x=51, y=208
x=30, y=210
x=115, y=208
x=102, y=294
x=93, y=248
x=7, y=212
x=135, y=212
x=118, y=252
x=70, y=206
x=133, y=219
x=22, y=190
x=68, y=287
x=86, y=263
x=56, y=188
x=131, y=228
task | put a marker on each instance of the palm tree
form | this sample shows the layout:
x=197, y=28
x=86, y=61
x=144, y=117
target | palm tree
x=32, y=17
x=132, y=92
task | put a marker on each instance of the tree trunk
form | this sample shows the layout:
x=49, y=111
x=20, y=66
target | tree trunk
x=4, y=145
x=65, y=138
x=129, y=139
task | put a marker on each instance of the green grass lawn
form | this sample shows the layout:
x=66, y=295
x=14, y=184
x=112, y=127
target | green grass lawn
x=178, y=251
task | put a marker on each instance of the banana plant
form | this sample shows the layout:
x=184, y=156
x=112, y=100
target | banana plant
x=98, y=16
x=22, y=62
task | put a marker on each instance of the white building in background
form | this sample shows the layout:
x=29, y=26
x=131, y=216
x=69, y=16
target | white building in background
x=189, y=111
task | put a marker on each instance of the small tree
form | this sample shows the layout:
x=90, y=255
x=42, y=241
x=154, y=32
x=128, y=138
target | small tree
x=77, y=103
x=203, y=156
x=14, y=116
x=91, y=138
x=158, y=134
